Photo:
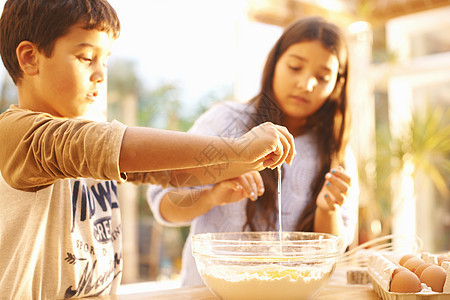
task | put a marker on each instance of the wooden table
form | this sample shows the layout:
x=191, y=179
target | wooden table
x=331, y=292
x=337, y=288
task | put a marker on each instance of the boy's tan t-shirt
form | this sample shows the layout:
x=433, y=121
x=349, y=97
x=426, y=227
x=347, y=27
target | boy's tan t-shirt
x=60, y=227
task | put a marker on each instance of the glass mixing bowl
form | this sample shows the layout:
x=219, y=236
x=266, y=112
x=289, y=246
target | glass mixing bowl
x=266, y=265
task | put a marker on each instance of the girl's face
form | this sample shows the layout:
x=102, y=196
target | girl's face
x=305, y=76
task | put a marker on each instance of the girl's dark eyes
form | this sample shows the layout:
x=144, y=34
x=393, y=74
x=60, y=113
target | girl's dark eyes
x=294, y=68
x=325, y=78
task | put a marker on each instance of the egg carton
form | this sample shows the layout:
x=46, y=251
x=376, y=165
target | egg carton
x=380, y=271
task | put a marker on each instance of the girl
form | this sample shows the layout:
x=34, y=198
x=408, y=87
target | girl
x=303, y=88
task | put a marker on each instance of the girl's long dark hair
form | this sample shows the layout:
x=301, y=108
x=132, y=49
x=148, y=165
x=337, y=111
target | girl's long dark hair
x=329, y=124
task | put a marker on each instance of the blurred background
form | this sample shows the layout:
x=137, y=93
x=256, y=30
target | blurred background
x=175, y=58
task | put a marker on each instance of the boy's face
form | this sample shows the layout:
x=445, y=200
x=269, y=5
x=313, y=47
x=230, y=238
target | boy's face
x=69, y=80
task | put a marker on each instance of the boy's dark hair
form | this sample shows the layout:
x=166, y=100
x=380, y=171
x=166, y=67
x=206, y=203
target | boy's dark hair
x=42, y=22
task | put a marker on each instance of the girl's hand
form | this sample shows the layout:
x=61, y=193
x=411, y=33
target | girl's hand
x=249, y=185
x=335, y=189
x=269, y=144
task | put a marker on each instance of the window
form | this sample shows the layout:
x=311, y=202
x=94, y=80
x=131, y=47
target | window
x=419, y=80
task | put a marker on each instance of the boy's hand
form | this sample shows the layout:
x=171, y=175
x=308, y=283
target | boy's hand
x=249, y=185
x=267, y=143
x=335, y=189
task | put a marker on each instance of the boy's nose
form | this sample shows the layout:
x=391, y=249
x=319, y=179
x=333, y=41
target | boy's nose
x=99, y=73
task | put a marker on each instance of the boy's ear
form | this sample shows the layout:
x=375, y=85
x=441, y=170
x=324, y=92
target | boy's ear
x=27, y=55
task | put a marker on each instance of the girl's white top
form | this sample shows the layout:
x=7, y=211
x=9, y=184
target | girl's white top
x=230, y=119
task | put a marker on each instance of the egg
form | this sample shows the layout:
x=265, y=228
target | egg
x=398, y=270
x=405, y=281
x=420, y=268
x=434, y=277
x=404, y=258
x=442, y=258
x=413, y=263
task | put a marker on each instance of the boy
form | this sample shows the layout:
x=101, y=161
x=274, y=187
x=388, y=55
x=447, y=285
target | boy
x=60, y=228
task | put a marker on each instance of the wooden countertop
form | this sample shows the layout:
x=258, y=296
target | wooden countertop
x=330, y=292
x=337, y=288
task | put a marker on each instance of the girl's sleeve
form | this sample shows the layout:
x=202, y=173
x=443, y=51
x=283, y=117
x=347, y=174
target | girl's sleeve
x=155, y=193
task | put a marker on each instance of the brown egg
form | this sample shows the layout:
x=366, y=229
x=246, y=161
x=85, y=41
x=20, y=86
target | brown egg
x=398, y=270
x=442, y=258
x=405, y=258
x=413, y=263
x=405, y=281
x=434, y=277
x=422, y=267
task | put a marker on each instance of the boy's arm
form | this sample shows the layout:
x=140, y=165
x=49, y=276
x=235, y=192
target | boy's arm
x=42, y=149
x=148, y=149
